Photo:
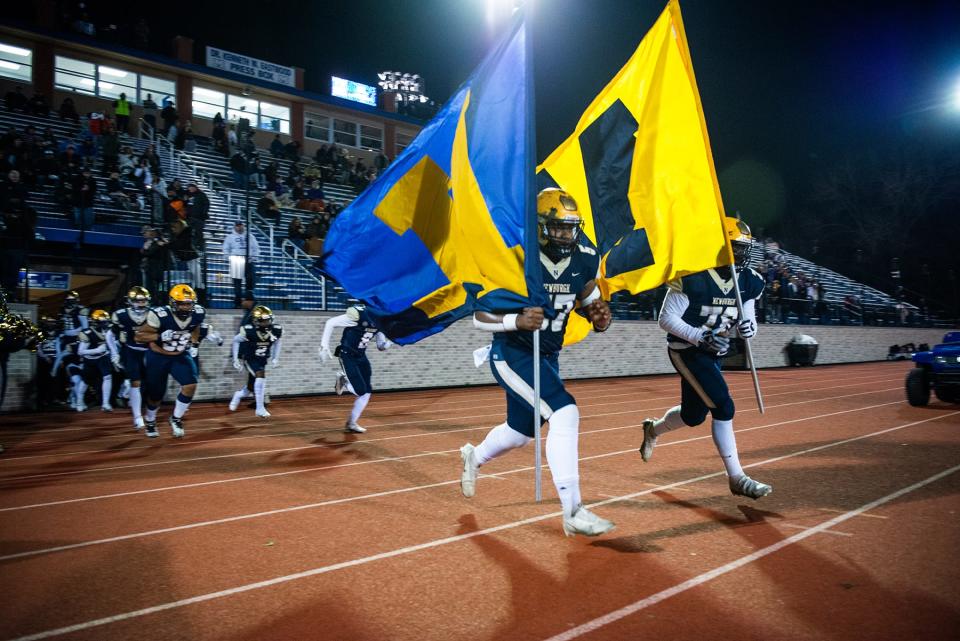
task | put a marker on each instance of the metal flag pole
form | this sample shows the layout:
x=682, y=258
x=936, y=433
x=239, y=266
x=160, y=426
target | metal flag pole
x=746, y=341
x=537, y=459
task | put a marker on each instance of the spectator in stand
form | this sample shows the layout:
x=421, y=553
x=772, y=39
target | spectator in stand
x=150, y=155
x=256, y=173
x=142, y=176
x=15, y=100
x=84, y=197
x=183, y=251
x=198, y=211
x=219, y=136
x=292, y=150
x=126, y=162
x=773, y=302
x=48, y=169
x=176, y=208
x=189, y=140
x=150, y=112
x=232, y=140
x=121, y=107
x=153, y=263
x=49, y=141
x=298, y=193
x=235, y=245
x=296, y=233
x=16, y=236
x=315, y=198
x=173, y=132
x=276, y=147
x=13, y=193
x=110, y=149
x=38, y=105
x=293, y=175
x=168, y=114
x=381, y=162
x=269, y=208
x=118, y=195
x=177, y=186
x=272, y=173
x=312, y=172
x=238, y=164
x=68, y=111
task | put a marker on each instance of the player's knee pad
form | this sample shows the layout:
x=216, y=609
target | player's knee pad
x=565, y=420
x=724, y=411
x=693, y=416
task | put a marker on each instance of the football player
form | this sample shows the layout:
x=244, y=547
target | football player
x=92, y=348
x=126, y=352
x=700, y=317
x=48, y=352
x=74, y=318
x=569, y=266
x=256, y=346
x=172, y=333
x=359, y=327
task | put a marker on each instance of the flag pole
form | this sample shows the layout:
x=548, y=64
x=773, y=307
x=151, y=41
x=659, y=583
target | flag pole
x=746, y=341
x=537, y=457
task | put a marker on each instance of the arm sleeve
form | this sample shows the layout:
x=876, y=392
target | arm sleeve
x=671, y=317
x=275, y=349
x=112, y=344
x=86, y=350
x=749, y=313
x=383, y=343
x=508, y=324
x=235, y=348
x=343, y=320
x=153, y=320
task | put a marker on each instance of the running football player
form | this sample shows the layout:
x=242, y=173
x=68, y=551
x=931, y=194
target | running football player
x=255, y=347
x=126, y=352
x=569, y=266
x=700, y=317
x=92, y=348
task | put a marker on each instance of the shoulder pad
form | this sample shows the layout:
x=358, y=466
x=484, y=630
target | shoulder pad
x=84, y=336
x=277, y=330
x=353, y=313
x=115, y=317
x=676, y=285
x=84, y=311
x=197, y=309
x=590, y=251
x=160, y=312
x=247, y=327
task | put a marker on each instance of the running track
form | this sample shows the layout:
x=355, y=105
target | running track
x=290, y=530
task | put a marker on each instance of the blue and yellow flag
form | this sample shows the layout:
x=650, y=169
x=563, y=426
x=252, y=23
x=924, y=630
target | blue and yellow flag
x=446, y=229
x=640, y=168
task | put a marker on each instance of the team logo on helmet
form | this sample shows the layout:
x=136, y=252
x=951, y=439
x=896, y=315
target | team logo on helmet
x=183, y=300
x=558, y=222
x=262, y=316
x=741, y=240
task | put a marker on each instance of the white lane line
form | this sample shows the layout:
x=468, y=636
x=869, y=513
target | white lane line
x=536, y=519
x=807, y=527
x=129, y=434
x=8, y=479
x=327, y=467
x=872, y=516
x=700, y=579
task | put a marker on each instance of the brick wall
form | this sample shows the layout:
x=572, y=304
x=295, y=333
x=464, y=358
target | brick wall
x=444, y=360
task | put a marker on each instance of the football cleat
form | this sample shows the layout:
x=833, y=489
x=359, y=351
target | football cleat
x=151, y=430
x=743, y=485
x=80, y=406
x=649, y=440
x=235, y=402
x=585, y=522
x=341, y=383
x=176, y=426
x=468, y=478
x=138, y=423
x=353, y=428
x=106, y=408
x=263, y=413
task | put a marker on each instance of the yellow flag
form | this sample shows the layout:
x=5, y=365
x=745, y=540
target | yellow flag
x=640, y=168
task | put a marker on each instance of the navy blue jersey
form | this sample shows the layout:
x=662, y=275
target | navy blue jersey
x=126, y=323
x=258, y=341
x=713, y=303
x=93, y=340
x=355, y=339
x=47, y=349
x=70, y=320
x=563, y=281
x=163, y=319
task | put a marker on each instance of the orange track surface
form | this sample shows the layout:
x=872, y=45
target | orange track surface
x=288, y=529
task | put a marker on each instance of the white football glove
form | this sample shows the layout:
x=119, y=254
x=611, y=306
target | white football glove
x=714, y=342
x=115, y=359
x=238, y=364
x=166, y=335
x=747, y=328
x=325, y=354
x=194, y=351
x=274, y=363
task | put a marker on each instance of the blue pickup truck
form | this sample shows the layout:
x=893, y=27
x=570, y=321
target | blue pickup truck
x=938, y=369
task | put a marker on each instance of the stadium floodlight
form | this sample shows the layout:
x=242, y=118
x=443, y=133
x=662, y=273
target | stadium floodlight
x=16, y=51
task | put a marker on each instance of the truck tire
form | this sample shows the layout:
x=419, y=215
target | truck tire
x=918, y=389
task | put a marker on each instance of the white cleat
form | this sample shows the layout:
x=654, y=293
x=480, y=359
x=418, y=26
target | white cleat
x=176, y=427
x=139, y=423
x=106, y=408
x=585, y=522
x=743, y=485
x=353, y=428
x=80, y=407
x=468, y=478
x=263, y=413
x=234, y=403
x=341, y=383
x=649, y=440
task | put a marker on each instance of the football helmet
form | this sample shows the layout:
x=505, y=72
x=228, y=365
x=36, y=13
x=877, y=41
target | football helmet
x=138, y=298
x=558, y=223
x=49, y=326
x=741, y=240
x=71, y=300
x=100, y=320
x=183, y=300
x=262, y=316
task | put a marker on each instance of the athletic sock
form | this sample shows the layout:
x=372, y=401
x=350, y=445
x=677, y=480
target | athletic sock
x=498, y=441
x=151, y=414
x=358, y=407
x=183, y=404
x=136, y=402
x=562, y=456
x=259, y=386
x=726, y=443
x=670, y=421
x=106, y=388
